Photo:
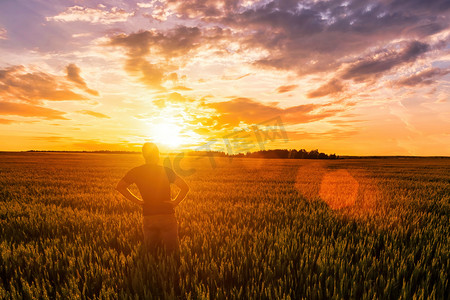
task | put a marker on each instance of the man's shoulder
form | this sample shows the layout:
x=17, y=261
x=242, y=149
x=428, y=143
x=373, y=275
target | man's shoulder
x=132, y=175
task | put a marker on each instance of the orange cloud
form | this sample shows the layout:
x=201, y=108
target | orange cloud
x=73, y=74
x=181, y=88
x=178, y=43
x=33, y=87
x=6, y=121
x=94, y=114
x=214, y=117
x=247, y=110
x=332, y=87
x=286, y=88
x=96, y=145
x=29, y=110
x=227, y=77
x=334, y=134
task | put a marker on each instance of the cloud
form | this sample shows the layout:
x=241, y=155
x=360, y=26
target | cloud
x=92, y=15
x=53, y=138
x=161, y=100
x=181, y=88
x=6, y=121
x=217, y=118
x=96, y=145
x=169, y=50
x=286, y=88
x=225, y=115
x=227, y=77
x=206, y=9
x=384, y=60
x=334, y=134
x=330, y=88
x=3, y=34
x=309, y=38
x=73, y=143
x=152, y=74
x=159, y=11
x=94, y=114
x=22, y=91
x=73, y=74
x=317, y=36
x=424, y=77
x=29, y=110
x=145, y=5
x=33, y=87
x=232, y=112
x=175, y=42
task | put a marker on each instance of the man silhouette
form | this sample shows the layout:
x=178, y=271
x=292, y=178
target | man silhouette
x=153, y=181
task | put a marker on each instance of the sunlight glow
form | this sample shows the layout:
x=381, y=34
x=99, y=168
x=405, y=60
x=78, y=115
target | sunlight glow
x=166, y=133
x=172, y=128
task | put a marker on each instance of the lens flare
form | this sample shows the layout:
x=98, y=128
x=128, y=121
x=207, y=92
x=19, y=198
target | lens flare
x=352, y=190
x=339, y=189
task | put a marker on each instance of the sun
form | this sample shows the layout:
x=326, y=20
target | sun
x=166, y=133
x=172, y=128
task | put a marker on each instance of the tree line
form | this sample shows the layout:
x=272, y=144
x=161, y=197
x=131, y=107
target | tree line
x=274, y=153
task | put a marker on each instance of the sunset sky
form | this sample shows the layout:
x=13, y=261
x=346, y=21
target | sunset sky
x=346, y=77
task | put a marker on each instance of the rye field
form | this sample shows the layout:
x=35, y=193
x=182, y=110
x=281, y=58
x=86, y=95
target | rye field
x=249, y=229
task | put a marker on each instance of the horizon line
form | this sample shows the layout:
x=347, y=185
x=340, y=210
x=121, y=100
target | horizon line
x=212, y=151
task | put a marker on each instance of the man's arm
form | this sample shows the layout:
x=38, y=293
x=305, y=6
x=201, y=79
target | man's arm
x=184, y=189
x=122, y=187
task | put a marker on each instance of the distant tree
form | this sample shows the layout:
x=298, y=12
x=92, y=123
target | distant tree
x=301, y=154
x=273, y=153
x=313, y=154
x=322, y=155
x=281, y=153
x=292, y=153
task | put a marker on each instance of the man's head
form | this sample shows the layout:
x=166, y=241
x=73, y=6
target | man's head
x=150, y=152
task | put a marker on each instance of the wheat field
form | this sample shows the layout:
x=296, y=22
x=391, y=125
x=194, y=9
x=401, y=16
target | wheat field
x=249, y=229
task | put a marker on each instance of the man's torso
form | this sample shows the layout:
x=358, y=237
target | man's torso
x=153, y=183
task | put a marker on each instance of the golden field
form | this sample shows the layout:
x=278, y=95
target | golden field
x=249, y=228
